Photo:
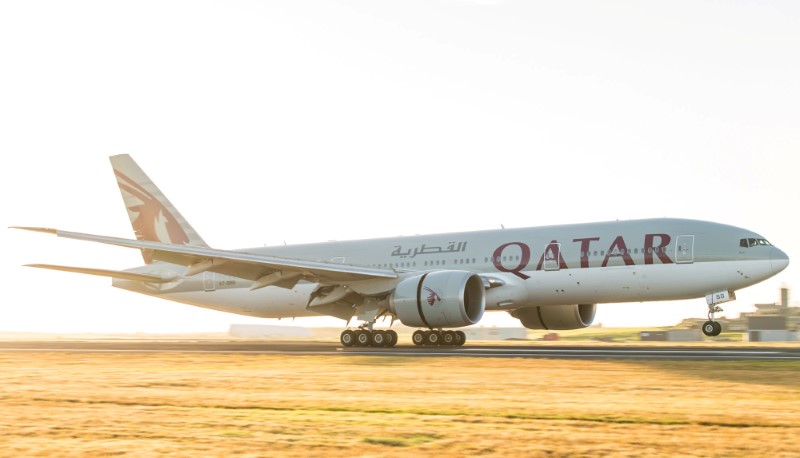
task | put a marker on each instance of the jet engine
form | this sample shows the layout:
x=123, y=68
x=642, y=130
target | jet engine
x=441, y=299
x=574, y=316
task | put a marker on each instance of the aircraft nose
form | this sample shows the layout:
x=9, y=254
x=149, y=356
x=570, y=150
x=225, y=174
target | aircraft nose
x=779, y=260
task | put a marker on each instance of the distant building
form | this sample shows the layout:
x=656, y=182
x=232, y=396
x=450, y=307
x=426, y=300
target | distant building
x=673, y=335
x=780, y=312
x=772, y=336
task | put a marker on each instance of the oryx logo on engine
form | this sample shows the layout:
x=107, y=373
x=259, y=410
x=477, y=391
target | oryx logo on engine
x=433, y=296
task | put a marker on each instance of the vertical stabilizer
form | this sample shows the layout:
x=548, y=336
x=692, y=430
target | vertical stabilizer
x=152, y=215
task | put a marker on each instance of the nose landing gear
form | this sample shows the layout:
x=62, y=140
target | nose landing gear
x=712, y=328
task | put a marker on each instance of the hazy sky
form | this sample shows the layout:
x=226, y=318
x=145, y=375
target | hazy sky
x=303, y=121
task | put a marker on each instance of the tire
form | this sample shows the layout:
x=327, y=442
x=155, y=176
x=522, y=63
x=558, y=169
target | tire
x=418, y=337
x=717, y=328
x=448, y=338
x=391, y=338
x=709, y=327
x=434, y=338
x=379, y=339
x=348, y=338
x=461, y=338
x=363, y=338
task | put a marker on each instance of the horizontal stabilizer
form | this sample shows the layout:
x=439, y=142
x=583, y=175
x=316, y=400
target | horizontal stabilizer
x=146, y=278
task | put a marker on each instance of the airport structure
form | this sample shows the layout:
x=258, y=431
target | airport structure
x=672, y=335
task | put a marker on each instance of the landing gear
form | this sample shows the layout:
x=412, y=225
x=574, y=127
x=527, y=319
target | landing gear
x=367, y=338
x=363, y=337
x=711, y=327
x=442, y=338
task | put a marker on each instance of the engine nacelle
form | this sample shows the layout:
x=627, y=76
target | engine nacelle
x=441, y=299
x=573, y=316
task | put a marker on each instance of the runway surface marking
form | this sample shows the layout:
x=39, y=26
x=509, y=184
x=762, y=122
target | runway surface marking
x=327, y=348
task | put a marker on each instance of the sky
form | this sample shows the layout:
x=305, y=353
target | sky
x=304, y=121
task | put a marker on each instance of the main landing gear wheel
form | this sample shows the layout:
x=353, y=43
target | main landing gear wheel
x=460, y=338
x=367, y=338
x=348, y=338
x=712, y=328
x=379, y=338
x=433, y=337
x=448, y=337
x=439, y=338
x=418, y=337
x=363, y=338
x=391, y=338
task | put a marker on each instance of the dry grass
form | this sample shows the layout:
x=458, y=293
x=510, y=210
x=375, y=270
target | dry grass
x=251, y=405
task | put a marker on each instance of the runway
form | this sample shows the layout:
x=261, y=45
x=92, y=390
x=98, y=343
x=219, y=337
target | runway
x=520, y=350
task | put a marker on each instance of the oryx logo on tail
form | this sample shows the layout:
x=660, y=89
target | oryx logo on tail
x=151, y=221
x=152, y=216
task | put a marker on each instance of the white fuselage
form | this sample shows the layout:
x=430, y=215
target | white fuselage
x=645, y=260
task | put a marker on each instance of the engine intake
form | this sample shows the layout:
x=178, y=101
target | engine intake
x=441, y=299
x=574, y=316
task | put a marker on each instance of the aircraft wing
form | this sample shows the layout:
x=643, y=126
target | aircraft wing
x=262, y=269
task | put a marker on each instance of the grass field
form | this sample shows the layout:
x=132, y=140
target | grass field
x=253, y=405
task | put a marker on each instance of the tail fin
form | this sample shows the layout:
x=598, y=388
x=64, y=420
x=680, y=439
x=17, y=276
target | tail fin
x=152, y=215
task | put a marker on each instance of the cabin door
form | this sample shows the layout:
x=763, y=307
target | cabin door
x=684, y=249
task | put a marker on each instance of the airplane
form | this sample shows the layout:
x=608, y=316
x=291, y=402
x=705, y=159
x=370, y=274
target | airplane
x=549, y=277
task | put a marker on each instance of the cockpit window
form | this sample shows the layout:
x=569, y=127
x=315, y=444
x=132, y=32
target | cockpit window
x=747, y=243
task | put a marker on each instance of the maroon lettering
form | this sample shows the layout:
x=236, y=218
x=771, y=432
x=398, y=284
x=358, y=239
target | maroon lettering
x=585, y=250
x=650, y=248
x=552, y=253
x=524, y=259
x=618, y=250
